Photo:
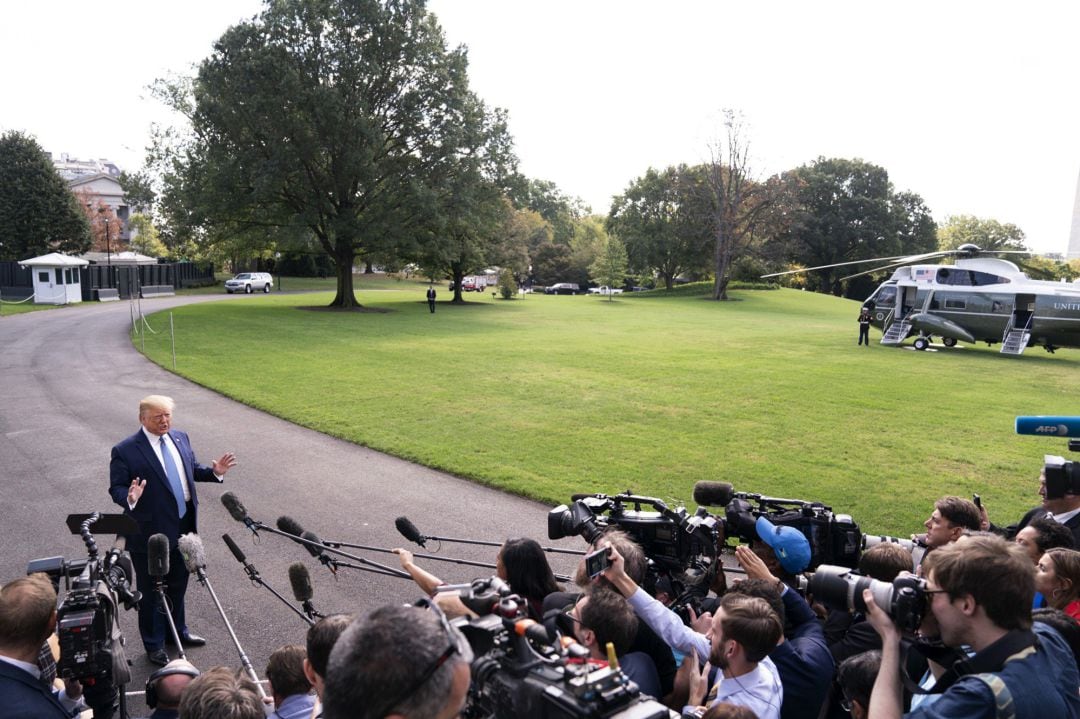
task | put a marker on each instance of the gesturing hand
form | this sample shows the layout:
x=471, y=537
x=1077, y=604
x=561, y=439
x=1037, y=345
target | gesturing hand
x=752, y=564
x=224, y=463
x=135, y=491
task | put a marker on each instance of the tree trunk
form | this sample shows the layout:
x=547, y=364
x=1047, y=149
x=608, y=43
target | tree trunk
x=457, y=274
x=343, y=261
x=720, y=288
x=368, y=270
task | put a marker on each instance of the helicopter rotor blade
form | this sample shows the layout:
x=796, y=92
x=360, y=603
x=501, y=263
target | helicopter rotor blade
x=872, y=271
x=838, y=264
x=896, y=261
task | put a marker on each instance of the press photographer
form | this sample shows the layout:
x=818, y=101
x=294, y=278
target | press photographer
x=87, y=622
x=27, y=618
x=684, y=549
x=398, y=660
x=1059, y=479
x=979, y=592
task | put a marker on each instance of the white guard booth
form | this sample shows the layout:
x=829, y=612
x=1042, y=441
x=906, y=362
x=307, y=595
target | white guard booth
x=56, y=278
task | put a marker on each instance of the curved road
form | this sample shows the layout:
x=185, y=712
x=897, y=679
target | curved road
x=70, y=383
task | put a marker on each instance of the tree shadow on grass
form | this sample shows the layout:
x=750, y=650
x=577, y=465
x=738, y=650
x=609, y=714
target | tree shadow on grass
x=343, y=310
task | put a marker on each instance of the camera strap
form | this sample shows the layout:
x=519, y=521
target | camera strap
x=1016, y=644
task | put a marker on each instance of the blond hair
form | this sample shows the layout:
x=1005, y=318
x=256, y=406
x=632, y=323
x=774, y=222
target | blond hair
x=156, y=401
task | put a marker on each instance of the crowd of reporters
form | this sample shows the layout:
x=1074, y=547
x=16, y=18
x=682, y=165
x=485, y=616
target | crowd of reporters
x=999, y=629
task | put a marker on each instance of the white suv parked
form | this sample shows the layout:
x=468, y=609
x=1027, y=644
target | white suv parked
x=249, y=282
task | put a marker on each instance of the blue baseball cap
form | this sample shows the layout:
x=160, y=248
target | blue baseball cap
x=790, y=545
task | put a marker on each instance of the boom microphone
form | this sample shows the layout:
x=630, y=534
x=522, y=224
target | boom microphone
x=236, y=551
x=194, y=554
x=300, y=579
x=713, y=494
x=409, y=531
x=253, y=575
x=157, y=551
x=301, y=588
x=289, y=526
x=238, y=512
x=318, y=552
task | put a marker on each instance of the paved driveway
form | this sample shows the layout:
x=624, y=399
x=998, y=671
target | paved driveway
x=70, y=383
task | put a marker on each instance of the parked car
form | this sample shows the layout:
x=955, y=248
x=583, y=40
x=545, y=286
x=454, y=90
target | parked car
x=249, y=282
x=604, y=290
x=562, y=288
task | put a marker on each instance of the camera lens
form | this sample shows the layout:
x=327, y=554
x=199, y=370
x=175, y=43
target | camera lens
x=841, y=588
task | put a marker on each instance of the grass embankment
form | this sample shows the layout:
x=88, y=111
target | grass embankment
x=18, y=308
x=549, y=395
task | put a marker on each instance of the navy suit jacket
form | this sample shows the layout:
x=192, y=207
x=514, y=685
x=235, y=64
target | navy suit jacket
x=24, y=697
x=156, y=510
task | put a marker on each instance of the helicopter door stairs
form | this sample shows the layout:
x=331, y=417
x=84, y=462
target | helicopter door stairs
x=896, y=332
x=1018, y=331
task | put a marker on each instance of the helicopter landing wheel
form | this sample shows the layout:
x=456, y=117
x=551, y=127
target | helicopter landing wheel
x=948, y=341
x=921, y=343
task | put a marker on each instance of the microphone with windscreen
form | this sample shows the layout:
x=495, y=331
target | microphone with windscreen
x=713, y=494
x=300, y=579
x=157, y=556
x=410, y=532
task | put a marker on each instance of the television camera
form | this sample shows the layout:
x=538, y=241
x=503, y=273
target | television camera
x=87, y=622
x=686, y=547
x=1062, y=476
x=523, y=669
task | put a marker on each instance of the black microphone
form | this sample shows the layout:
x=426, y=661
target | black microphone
x=713, y=494
x=317, y=552
x=409, y=531
x=157, y=552
x=236, y=552
x=238, y=512
x=194, y=554
x=300, y=580
x=289, y=526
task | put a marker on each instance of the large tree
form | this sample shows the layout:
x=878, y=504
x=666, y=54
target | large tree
x=339, y=116
x=662, y=219
x=38, y=213
x=470, y=206
x=739, y=206
x=848, y=211
x=989, y=234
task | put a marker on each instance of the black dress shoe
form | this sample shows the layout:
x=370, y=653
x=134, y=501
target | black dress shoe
x=158, y=656
x=192, y=640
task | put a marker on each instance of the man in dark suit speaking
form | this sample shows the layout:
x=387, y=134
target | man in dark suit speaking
x=152, y=475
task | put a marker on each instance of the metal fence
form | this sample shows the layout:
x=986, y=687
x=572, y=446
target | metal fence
x=126, y=279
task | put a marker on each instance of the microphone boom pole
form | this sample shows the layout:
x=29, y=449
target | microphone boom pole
x=158, y=567
x=200, y=572
x=240, y=514
x=256, y=578
x=467, y=562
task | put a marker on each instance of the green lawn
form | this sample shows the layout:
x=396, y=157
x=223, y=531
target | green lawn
x=11, y=307
x=548, y=395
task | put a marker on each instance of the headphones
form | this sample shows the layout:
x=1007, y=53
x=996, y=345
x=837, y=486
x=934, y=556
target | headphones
x=166, y=671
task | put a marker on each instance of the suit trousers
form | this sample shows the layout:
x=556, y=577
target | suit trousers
x=153, y=626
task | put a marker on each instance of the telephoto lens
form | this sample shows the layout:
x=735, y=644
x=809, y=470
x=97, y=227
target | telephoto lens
x=903, y=599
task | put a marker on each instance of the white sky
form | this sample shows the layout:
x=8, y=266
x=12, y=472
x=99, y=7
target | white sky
x=973, y=105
